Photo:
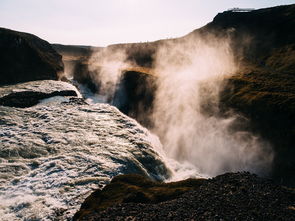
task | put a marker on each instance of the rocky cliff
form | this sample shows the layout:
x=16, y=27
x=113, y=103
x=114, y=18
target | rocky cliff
x=263, y=89
x=25, y=57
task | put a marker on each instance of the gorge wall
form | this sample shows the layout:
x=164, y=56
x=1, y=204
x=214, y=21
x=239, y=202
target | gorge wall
x=219, y=99
x=259, y=87
x=25, y=57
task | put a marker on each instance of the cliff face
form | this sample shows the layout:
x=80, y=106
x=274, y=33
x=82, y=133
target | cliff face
x=264, y=87
x=260, y=35
x=135, y=95
x=25, y=57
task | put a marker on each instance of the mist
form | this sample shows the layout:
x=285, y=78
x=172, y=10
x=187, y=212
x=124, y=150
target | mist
x=190, y=73
x=106, y=67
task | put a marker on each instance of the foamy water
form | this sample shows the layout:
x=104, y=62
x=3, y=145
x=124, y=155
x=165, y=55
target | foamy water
x=54, y=155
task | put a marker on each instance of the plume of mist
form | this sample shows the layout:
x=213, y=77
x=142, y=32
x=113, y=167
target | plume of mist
x=69, y=68
x=190, y=75
x=106, y=67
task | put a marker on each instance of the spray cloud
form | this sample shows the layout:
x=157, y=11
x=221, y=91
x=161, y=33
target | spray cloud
x=190, y=76
x=106, y=67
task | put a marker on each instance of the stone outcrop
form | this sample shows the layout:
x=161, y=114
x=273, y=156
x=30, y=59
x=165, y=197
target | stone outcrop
x=31, y=93
x=25, y=57
x=135, y=95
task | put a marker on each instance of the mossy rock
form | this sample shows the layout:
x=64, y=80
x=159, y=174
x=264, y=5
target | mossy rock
x=134, y=188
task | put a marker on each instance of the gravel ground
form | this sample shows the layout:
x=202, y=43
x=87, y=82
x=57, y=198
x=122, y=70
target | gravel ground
x=232, y=196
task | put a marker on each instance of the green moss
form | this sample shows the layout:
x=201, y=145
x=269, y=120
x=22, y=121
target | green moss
x=136, y=189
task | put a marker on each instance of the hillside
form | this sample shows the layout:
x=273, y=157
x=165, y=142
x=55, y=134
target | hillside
x=73, y=52
x=264, y=87
x=231, y=196
x=25, y=57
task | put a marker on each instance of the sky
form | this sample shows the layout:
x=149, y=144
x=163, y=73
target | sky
x=104, y=22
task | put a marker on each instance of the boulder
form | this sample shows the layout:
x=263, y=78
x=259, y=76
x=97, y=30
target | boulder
x=30, y=98
x=25, y=57
x=31, y=93
x=135, y=94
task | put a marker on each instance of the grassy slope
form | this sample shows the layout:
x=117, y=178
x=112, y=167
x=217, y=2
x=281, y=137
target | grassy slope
x=136, y=189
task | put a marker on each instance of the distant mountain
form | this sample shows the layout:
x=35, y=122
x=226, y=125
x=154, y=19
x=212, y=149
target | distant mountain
x=74, y=52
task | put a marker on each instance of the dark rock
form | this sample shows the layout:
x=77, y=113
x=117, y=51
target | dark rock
x=25, y=57
x=76, y=59
x=75, y=100
x=135, y=95
x=25, y=99
x=232, y=196
x=83, y=75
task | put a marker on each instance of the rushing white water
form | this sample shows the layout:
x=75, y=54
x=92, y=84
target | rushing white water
x=54, y=154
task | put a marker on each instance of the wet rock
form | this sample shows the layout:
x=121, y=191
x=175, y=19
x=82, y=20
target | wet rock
x=135, y=95
x=29, y=94
x=30, y=98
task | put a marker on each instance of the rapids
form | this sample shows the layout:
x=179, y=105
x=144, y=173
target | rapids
x=54, y=154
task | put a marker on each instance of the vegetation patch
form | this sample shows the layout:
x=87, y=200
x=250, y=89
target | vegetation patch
x=135, y=189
